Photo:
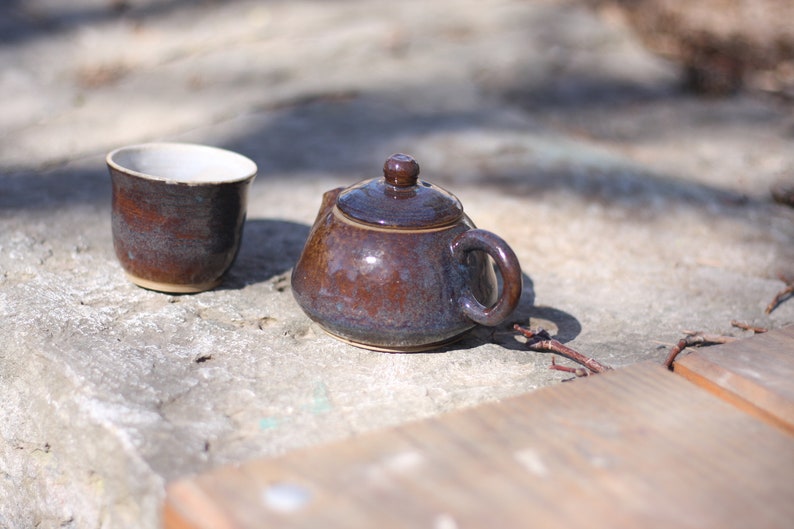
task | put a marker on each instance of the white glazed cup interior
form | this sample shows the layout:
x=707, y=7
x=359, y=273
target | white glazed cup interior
x=182, y=162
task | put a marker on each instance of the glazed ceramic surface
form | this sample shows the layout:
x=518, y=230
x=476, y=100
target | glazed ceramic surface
x=178, y=212
x=394, y=264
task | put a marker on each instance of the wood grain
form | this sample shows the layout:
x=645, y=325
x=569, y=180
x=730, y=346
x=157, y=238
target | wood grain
x=755, y=374
x=636, y=447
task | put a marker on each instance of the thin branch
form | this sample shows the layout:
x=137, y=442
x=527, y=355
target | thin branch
x=694, y=339
x=748, y=327
x=577, y=371
x=781, y=296
x=542, y=341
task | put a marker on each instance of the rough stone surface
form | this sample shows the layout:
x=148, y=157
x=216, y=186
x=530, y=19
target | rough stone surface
x=724, y=44
x=636, y=210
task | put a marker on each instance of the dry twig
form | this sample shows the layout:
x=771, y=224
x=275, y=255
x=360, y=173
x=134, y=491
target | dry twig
x=576, y=371
x=781, y=296
x=542, y=341
x=748, y=327
x=691, y=339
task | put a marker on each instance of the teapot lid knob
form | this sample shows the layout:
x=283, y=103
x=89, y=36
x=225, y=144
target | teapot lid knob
x=397, y=200
x=401, y=170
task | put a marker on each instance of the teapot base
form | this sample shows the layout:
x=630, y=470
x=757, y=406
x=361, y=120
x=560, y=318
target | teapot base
x=397, y=349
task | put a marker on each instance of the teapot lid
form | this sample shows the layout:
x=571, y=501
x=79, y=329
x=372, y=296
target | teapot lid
x=399, y=199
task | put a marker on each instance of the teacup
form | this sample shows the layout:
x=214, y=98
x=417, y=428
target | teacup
x=178, y=212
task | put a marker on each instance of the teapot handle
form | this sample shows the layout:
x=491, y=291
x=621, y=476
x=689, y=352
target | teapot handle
x=506, y=260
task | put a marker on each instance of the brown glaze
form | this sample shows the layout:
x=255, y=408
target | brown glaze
x=175, y=236
x=403, y=288
x=399, y=200
x=400, y=170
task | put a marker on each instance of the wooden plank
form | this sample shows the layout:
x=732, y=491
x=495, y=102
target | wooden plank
x=637, y=447
x=755, y=374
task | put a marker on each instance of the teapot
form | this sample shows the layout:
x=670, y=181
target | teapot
x=394, y=264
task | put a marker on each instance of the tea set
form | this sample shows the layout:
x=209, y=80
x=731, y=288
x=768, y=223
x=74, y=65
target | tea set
x=391, y=263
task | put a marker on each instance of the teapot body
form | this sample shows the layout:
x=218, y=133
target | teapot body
x=394, y=264
x=387, y=289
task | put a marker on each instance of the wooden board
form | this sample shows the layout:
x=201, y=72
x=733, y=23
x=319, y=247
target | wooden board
x=754, y=374
x=638, y=447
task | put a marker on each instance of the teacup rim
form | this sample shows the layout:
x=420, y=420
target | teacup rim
x=250, y=174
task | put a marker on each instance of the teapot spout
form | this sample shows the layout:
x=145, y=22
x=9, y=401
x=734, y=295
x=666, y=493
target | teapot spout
x=329, y=199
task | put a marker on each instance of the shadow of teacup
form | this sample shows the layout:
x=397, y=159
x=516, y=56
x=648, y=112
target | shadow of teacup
x=269, y=248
